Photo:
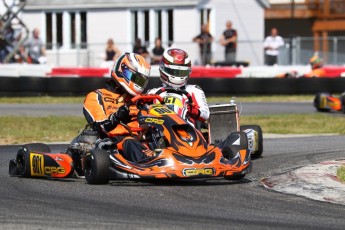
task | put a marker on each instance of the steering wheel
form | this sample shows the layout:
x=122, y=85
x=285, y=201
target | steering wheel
x=139, y=99
x=144, y=98
x=177, y=91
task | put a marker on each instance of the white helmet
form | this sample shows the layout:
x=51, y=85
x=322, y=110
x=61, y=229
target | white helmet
x=175, y=67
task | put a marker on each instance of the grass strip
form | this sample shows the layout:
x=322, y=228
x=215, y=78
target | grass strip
x=268, y=98
x=25, y=129
x=319, y=123
x=341, y=173
x=41, y=100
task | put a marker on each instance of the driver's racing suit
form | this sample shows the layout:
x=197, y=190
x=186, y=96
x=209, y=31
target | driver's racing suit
x=99, y=106
x=178, y=103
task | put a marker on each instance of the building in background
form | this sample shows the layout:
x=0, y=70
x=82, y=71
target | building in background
x=319, y=26
x=75, y=31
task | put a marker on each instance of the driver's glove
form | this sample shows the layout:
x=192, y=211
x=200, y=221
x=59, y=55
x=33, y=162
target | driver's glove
x=122, y=114
x=193, y=111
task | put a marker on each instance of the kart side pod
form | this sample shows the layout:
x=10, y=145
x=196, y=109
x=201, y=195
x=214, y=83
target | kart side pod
x=35, y=160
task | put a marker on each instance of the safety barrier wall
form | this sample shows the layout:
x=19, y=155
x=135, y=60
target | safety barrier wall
x=77, y=86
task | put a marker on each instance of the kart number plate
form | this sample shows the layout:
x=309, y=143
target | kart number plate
x=160, y=110
x=37, y=164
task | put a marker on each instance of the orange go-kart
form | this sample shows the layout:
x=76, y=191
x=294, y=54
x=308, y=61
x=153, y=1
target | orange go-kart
x=181, y=152
x=326, y=102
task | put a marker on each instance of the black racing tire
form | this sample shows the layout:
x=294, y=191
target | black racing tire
x=258, y=129
x=342, y=100
x=23, y=157
x=317, y=101
x=234, y=148
x=96, y=167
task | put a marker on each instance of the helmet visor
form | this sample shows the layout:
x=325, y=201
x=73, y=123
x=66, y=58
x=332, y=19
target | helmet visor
x=181, y=71
x=139, y=79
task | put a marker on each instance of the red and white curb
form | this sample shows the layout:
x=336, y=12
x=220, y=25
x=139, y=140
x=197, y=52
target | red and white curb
x=317, y=181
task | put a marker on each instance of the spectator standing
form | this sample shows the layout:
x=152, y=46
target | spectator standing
x=7, y=42
x=229, y=41
x=140, y=49
x=35, y=48
x=272, y=44
x=157, y=52
x=112, y=52
x=204, y=39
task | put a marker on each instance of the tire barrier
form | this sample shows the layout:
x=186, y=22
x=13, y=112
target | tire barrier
x=79, y=86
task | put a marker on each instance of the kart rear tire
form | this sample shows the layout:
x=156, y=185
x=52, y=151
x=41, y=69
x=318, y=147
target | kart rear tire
x=317, y=101
x=258, y=129
x=23, y=157
x=96, y=167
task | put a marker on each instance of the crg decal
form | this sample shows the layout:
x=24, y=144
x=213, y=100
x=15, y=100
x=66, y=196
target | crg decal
x=154, y=120
x=54, y=170
x=198, y=172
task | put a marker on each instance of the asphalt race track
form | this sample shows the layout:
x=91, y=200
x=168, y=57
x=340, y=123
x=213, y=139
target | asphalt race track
x=213, y=204
x=203, y=204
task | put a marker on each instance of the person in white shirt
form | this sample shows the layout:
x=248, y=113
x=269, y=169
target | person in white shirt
x=272, y=44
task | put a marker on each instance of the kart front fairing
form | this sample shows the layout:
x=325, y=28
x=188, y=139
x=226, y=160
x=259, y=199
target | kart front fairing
x=182, y=152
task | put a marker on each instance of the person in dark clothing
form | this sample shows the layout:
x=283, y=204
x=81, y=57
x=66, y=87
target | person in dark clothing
x=140, y=49
x=229, y=41
x=204, y=39
x=157, y=52
x=105, y=109
x=112, y=52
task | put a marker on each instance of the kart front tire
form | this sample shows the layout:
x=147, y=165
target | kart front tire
x=96, y=167
x=257, y=129
x=230, y=150
x=242, y=145
x=23, y=157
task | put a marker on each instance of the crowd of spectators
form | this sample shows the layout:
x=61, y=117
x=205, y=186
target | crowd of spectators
x=228, y=39
x=13, y=49
x=33, y=49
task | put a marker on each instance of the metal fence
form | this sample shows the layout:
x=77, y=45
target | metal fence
x=296, y=51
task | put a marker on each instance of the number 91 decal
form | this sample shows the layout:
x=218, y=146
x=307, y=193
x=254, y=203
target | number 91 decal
x=37, y=164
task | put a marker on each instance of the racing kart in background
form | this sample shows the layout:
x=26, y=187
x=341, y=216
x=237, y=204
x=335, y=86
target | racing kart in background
x=181, y=152
x=326, y=102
